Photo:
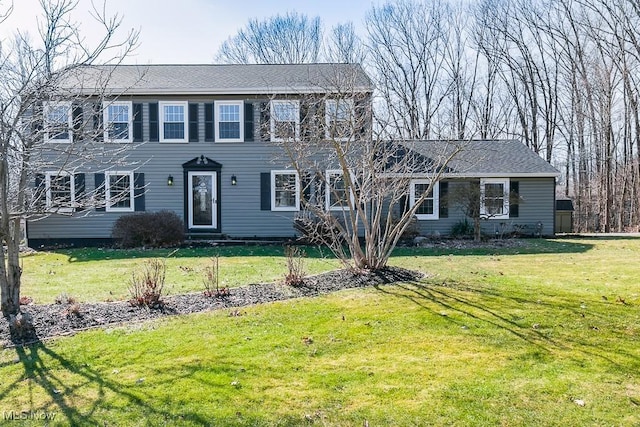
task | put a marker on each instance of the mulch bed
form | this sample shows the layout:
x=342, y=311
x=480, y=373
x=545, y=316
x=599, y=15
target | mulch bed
x=51, y=320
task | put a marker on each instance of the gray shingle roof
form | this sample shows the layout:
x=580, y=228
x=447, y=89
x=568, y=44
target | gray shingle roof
x=485, y=158
x=221, y=79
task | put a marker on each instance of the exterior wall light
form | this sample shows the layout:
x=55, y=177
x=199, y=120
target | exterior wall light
x=170, y=180
x=234, y=180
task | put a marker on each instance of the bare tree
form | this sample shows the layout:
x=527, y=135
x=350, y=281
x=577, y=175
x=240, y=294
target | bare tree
x=344, y=46
x=282, y=39
x=353, y=183
x=406, y=41
x=41, y=90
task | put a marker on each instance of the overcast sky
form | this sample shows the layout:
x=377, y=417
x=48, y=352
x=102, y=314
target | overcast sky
x=188, y=31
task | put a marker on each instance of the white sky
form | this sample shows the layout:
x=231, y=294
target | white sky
x=187, y=31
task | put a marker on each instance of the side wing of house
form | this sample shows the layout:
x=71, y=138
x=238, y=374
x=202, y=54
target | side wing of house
x=526, y=208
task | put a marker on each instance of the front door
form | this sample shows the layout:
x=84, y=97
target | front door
x=202, y=189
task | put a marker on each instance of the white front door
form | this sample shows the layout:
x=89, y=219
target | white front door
x=203, y=206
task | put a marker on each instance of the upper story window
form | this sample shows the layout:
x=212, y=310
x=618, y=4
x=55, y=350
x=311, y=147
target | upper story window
x=173, y=122
x=60, y=191
x=494, y=198
x=285, y=190
x=428, y=208
x=229, y=119
x=119, y=191
x=58, y=122
x=336, y=191
x=339, y=114
x=285, y=120
x=117, y=121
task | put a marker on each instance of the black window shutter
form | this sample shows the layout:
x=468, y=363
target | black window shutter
x=37, y=119
x=444, y=199
x=208, y=122
x=78, y=180
x=137, y=122
x=265, y=191
x=404, y=205
x=248, y=121
x=138, y=191
x=100, y=192
x=77, y=124
x=265, y=121
x=514, y=207
x=40, y=193
x=306, y=182
x=194, y=109
x=98, y=129
x=154, y=128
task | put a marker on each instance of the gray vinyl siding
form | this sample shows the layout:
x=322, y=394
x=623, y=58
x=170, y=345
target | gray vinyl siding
x=536, y=205
x=240, y=204
x=241, y=214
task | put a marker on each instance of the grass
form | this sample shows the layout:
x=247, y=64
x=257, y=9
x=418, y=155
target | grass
x=512, y=337
x=92, y=274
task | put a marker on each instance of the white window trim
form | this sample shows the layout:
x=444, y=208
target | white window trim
x=505, y=205
x=272, y=119
x=45, y=111
x=216, y=115
x=328, y=119
x=48, y=176
x=107, y=191
x=327, y=193
x=106, y=121
x=436, y=198
x=161, y=106
x=273, y=191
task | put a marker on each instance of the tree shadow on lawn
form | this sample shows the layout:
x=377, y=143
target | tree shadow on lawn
x=546, y=337
x=439, y=247
x=39, y=375
x=254, y=250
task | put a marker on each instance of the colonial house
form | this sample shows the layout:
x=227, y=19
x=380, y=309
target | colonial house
x=203, y=141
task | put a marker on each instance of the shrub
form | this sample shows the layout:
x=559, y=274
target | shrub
x=462, y=229
x=211, y=280
x=64, y=299
x=295, y=266
x=146, y=286
x=151, y=229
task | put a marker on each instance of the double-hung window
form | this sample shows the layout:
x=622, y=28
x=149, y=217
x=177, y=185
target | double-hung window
x=229, y=119
x=173, y=122
x=58, y=122
x=285, y=120
x=336, y=191
x=119, y=191
x=60, y=191
x=285, y=190
x=339, y=119
x=494, y=198
x=428, y=200
x=117, y=119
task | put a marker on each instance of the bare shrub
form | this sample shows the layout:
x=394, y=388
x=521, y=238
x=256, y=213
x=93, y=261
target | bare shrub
x=64, y=299
x=295, y=266
x=211, y=280
x=146, y=285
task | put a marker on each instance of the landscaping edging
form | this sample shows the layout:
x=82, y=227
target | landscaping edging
x=51, y=320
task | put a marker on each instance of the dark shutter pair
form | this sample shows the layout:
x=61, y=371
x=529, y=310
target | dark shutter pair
x=209, y=122
x=41, y=190
x=443, y=201
x=192, y=122
x=138, y=191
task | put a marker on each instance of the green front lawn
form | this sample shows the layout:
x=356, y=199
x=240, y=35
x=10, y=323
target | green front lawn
x=103, y=274
x=542, y=335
